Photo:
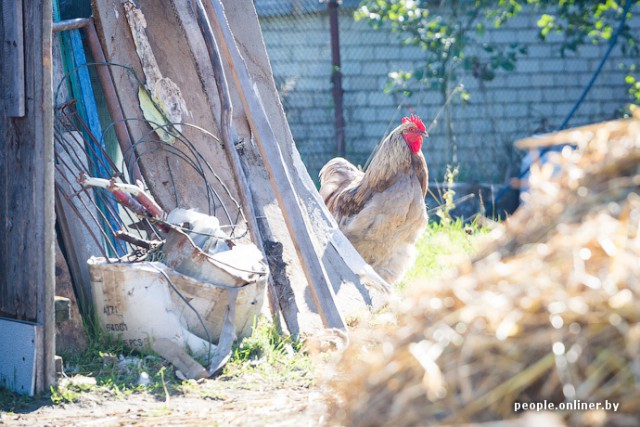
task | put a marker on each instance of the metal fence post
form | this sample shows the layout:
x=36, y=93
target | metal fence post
x=336, y=77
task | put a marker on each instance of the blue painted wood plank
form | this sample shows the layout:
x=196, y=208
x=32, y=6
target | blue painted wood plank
x=75, y=61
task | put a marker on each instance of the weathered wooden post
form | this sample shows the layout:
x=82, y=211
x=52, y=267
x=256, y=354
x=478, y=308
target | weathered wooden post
x=27, y=236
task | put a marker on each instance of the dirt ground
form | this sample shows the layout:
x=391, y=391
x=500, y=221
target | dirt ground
x=211, y=403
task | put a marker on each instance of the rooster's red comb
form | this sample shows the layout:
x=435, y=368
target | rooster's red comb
x=416, y=121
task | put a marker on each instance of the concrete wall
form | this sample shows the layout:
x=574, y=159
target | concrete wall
x=535, y=97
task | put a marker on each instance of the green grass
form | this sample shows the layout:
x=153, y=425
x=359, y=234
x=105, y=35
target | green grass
x=107, y=368
x=12, y=402
x=272, y=358
x=440, y=248
x=266, y=359
x=116, y=372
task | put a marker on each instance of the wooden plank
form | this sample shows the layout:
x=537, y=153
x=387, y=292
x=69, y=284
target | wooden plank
x=111, y=97
x=285, y=271
x=82, y=90
x=265, y=138
x=356, y=284
x=573, y=136
x=26, y=206
x=76, y=235
x=220, y=99
x=13, y=58
x=168, y=36
x=172, y=183
x=70, y=334
x=348, y=272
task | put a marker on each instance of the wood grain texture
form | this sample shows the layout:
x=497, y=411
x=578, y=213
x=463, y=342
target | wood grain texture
x=171, y=181
x=13, y=58
x=70, y=334
x=319, y=284
x=355, y=284
x=26, y=205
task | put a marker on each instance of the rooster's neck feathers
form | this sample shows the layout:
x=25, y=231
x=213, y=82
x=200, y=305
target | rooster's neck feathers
x=392, y=161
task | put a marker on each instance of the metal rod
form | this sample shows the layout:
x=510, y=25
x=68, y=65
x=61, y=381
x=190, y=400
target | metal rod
x=336, y=77
x=111, y=96
x=70, y=24
x=133, y=240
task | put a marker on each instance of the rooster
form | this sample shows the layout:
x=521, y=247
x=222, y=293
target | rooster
x=382, y=210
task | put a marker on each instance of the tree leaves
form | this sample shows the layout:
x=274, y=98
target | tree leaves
x=449, y=35
x=449, y=38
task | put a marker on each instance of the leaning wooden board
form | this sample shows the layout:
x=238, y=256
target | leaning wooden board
x=182, y=56
x=355, y=283
x=170, y=181
x=172, y=36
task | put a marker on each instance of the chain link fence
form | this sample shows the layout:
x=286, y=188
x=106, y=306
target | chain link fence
x=533, y=98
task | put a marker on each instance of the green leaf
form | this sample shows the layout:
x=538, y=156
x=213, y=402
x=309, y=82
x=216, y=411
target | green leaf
x=449, y=37
x=150, y=111
x=488, y=75
x=507, y=65
x=546, y=21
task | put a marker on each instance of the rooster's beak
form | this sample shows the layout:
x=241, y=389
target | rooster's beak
x=425, y=134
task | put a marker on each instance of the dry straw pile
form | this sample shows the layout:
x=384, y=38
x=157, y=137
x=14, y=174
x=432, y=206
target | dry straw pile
x=549, y=310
